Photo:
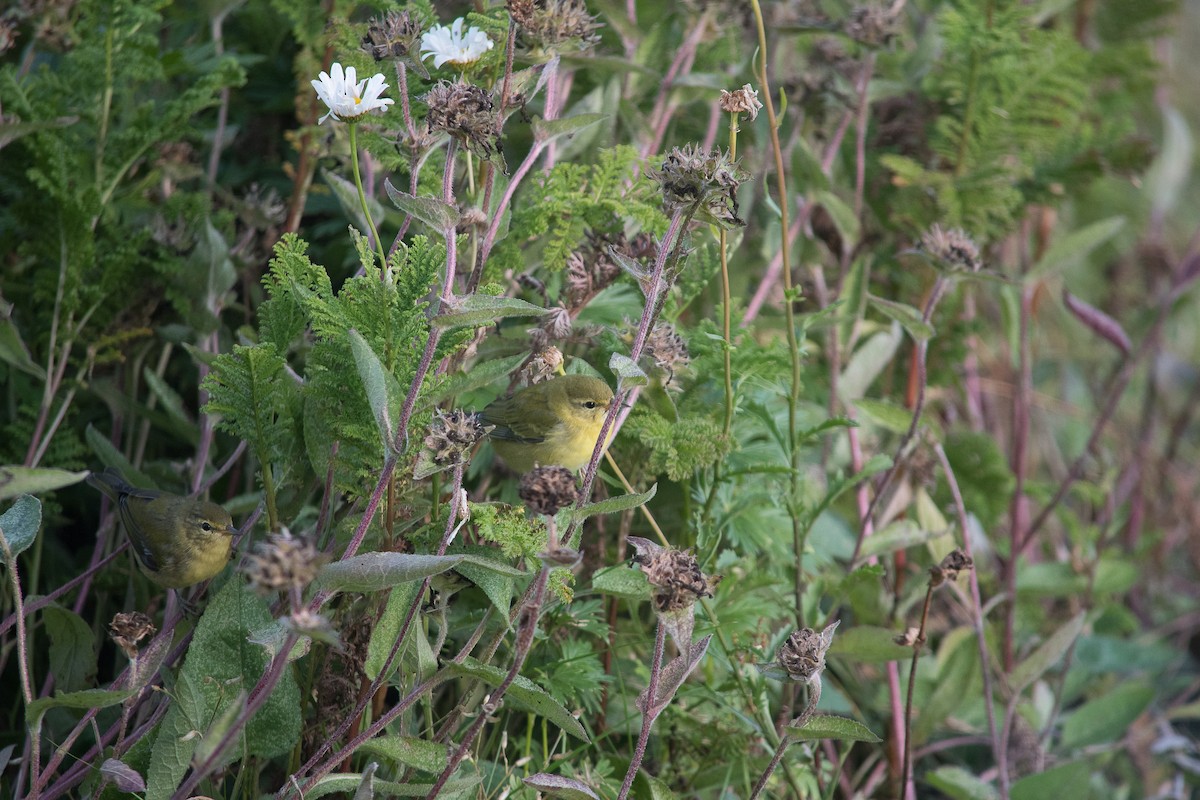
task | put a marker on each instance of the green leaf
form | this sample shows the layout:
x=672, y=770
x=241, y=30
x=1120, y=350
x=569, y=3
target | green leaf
x=547, y=130
x=899, y=535
x=88, y=698
x=20, y=523
x=627, y=371
x=12, y=348
x=172, y=403
x=1069, y=250
x=16, y=480
x=110, y=456
x=1047, y=655
x=72, y=648
x=1169, y=174
x=346, y=193
x=1065, y=782
x=854, y=299
x=868, y=643
x=842, y=215
x=523, y=693
x=409, y=751
x=866, y=364
x=622, y=581
x=371, y=572
x=560, y=787
x=611, y=505
x=442, y=217
x=831, y=726
x=388, y=629
x=497, y=587
x=909, y=318
x=477, y=310
x=959, y=784
x=1106, y=718
x=250, y=389
x=958, y=680
x=370, y=370
x=345, y=783
x=885, y=414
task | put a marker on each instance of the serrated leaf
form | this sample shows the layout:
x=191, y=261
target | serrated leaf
x=16, y=480
x=19, y=524
x=371, y=572
x=523, y=693
x=870, y=644
x=830, y=726
x=477, y=310
x=627, y=371
x=909, y=318
x=611, y=505
x=1047, y=655
x=442, y=217
x=561, y=787
x=409, y=751
x=622, y=581
x=1069, y=250
x=547, y=130
x=370, y=371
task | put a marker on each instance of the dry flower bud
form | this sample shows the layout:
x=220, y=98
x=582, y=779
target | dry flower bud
x=283, y=563
x=872, y=26
x=668, y=350
x=910, y=637
x=129, y=628
x=741, y=101
x=452, y=436
x=395, y=35
x=675, y=575
x=802, y=656
x=543, y=366
x=549, y=23
x=955, y=562
x=952, y=247
x=690, y=177
x=545, y=490
x=466, y=112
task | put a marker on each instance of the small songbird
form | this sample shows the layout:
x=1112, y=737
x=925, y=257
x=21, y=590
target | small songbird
x=551, y=424
x=178, y=541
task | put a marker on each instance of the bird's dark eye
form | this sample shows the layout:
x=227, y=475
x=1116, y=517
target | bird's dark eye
x=590, y=404
x=205, y=526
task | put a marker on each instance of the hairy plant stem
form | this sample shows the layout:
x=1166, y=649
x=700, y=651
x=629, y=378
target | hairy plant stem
x=650, y=712
x=786, y=740
x=34, y=745
x=376, y=242
x=726, y=297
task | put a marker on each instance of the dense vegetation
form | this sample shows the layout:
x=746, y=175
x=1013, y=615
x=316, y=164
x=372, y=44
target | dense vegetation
x=898, y=301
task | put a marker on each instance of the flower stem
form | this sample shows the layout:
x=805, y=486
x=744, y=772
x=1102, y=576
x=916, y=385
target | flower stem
x=362, y=199
x=649, y=714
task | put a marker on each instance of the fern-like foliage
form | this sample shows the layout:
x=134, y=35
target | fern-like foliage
x=573, y=200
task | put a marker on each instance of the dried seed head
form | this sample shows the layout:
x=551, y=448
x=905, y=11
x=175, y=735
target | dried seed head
x=707, y=181
x=952, y=247
x=802, y=656
x=466, y=112
x=452, y=436
x=872, y=26
x=955, y=562
x=127, y=629
x=557, y=324
x=741, y=101
x=668, y=350
x=552, y=23
x=395, y=35
x=543, y=366
x=283, y=563
x=675, y=575
x=545, y=490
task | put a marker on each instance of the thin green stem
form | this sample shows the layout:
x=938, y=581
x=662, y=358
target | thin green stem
x=362, y=199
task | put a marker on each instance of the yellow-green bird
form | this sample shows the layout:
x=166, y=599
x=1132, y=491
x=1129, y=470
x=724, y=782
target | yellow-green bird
x=178, y=541
x=551, y=424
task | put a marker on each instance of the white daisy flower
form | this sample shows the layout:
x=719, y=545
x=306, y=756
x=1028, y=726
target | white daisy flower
x=349, y=98
x=452, y=46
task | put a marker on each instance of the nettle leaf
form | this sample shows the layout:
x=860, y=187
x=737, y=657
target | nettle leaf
x=523, y=693
x=19, y=524
x=622, y=581
x=831, y=726
x=477, y=310
x=371, y=572
x=442, y=217
x=409, y=751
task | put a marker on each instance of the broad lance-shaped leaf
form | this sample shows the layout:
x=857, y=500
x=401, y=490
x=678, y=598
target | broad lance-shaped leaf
x=370, y=370
x=1047, y=655
x=1100, y=323
x=908, y=317
x=20, y=523
x=477, y=310
x=523, y=693
x=673, y=675
x=627, y=371
x=830, y=726
x=409, y=751
x=1069, y=250
x=344, y=783
x=442, y=217
x=561, y=787
x=899, y=535
x=371, y=572
x=547, y=130
x=611, y=505
x=16, y=480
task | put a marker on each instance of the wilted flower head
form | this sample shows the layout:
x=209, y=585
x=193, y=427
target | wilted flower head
x=315, y=626
x=395, y=36
x=802, y=656
x=452, y=436
x=741, y=101
x=127, y=629
x=676, y=584
x=952, y=247
x=283, y=563
x=347, y=97
x=871, y=25
x=545, y=490
x=708, y=181
x=594, y=268
x=543, y=366
x=668, y=350
x=546, y=23
x=466, y=112
x=955, y=562
x=449, y=45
